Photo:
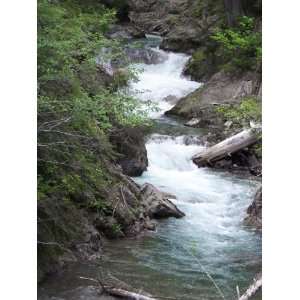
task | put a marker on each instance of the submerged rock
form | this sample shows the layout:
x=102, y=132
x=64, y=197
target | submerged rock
x=254, y=211
x=157, y=204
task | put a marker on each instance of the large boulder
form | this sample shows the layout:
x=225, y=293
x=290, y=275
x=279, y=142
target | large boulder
x=130, y=143
x=222, y=88
x=157, y=203
x=254, y=211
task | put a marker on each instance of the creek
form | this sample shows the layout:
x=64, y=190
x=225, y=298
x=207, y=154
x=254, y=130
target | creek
x=175, y=260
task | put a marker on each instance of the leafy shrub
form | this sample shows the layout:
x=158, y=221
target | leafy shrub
x=78, y=104
x=241, y=45
x=248, y=110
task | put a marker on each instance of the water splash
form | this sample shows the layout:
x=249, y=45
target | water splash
x=158, y=81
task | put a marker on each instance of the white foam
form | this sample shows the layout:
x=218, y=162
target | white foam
x=158, y=81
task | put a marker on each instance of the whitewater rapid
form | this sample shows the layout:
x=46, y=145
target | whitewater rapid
x=215, y=203
x=158, y=81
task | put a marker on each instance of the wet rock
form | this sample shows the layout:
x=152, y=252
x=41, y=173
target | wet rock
x=157, y=205
x=144, y=55
x=168, y=195
x=149, y=224
x=171, y=99
x=193, y=140
x=130, y=143
x=254, y=211
x=193, y=122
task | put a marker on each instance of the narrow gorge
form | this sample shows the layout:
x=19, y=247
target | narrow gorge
x=167, y=228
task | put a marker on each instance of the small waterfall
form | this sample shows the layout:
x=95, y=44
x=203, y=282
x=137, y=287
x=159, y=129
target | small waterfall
x=158, y=81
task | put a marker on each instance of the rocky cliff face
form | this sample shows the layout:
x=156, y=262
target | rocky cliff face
x=184, y=24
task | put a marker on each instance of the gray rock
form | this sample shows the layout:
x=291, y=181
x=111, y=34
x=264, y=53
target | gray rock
x=222, y=88
x=254, y=211
x=175, y=20
x=228, y=124
x=130, y=143
x=157, y=204
x=144, y=55
x=193, y=122
x=171, y=99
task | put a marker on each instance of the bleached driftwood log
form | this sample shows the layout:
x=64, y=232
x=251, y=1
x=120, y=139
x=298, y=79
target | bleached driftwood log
x=126, y=294
x=118, y=291
x=225, y=148
x=253, y=288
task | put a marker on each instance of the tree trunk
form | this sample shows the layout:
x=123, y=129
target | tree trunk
x=234, y=9
x=226, y=148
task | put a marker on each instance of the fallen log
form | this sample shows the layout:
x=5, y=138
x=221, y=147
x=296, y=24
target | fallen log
x=118, y=291
x=253, y=288
x=227, y=147
x=126, y=294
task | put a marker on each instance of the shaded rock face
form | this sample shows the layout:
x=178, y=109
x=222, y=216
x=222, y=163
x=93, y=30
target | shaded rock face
x=157, y=204
x=254, y=211
x=184, y=24
x=129, y=142
x=243, y=160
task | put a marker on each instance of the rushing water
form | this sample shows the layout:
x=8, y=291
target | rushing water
x=156, y=82
x=210, y=239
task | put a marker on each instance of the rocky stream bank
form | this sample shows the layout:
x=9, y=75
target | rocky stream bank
x=131, y=208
